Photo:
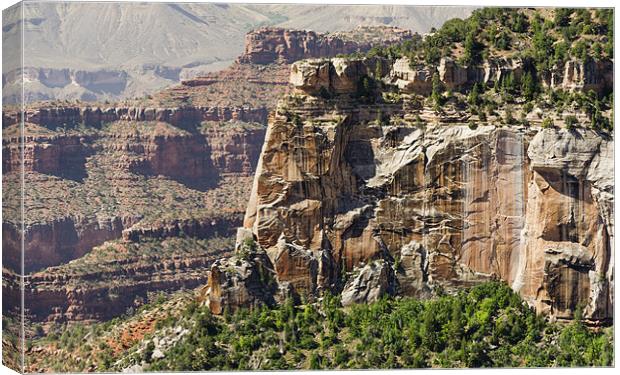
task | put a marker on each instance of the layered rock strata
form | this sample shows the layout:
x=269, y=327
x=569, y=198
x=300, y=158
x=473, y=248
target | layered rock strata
x=62, y=155
x=573, y=75
x=339, y=194
x=94, y=116
x=127, y=160
x=275, y=45
x=108, y=290
x=126, y=153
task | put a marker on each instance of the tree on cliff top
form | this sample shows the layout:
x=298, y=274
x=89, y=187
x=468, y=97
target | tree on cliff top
x=437, y=90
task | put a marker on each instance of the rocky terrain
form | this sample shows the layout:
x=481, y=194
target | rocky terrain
x=363, y=188
x=132, y=181
x=383, y=164
x=271, y=45
x=177, y=163
x=95, y=52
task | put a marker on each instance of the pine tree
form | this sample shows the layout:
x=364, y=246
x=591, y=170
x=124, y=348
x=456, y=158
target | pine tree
x=528, y=86
x=470, y=49
x=474, y=95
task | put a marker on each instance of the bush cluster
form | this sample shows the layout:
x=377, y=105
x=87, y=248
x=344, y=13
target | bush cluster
x=486, y=326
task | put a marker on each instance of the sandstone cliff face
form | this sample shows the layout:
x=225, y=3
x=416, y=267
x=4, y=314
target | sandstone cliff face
x=336, y=76
x=110, y=288
x=444, y=206
x=179, y=155
x=52, y=117
x=275, y=45
x=61, y=155
x=234, y=149
x=572, y=75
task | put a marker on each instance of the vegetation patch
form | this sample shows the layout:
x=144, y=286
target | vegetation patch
x=488, y=325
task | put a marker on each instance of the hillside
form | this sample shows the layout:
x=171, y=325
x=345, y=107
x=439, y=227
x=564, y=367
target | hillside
x=485, y=326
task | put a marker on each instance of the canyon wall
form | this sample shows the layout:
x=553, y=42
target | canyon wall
x=93, y=116
x=57, y=296
x=275, y=45
x=192, y=158
x=572, y=75
x=344, y=202
x=57, y=155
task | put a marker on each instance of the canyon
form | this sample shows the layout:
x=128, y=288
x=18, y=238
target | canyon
x=277, y=205
x=348, y=195
x=178, y=164
x=105, y=186
x=66, y=62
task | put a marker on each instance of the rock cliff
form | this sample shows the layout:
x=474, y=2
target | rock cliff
x=573, y=75
x=117, y=276
x=275, y=45
x=344, y=200
x=168, y=165
x=53, y=116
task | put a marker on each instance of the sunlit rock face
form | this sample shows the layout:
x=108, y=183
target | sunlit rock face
x=572, y=75
x=444, y=205
x=454, y=206
x=569, y=230
x=275, y=45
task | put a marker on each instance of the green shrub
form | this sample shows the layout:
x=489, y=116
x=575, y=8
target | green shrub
x=547, y=123
x=571, y=122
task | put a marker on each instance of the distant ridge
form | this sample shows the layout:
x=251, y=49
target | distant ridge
x=130, y=49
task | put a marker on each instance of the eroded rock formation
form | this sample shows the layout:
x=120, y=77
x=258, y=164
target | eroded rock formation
x=275, y=45
x=94, y=116
x=572, y=75
x=443, y=205
x=244, y=280
x=62, y=155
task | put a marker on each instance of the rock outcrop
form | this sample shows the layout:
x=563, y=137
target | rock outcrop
x=572, y=75
x=244, y=280
x=334, y=76
x=373, y=281
x=94, y=116
x=446, y=205
x=275, y=45
x=61, y=155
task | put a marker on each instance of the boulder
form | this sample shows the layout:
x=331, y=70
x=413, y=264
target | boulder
x=415, y=80
x=373, y=281
x=240, y=281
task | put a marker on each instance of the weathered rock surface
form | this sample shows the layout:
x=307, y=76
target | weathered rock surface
x=148, y=168
x=374, y=280
x=275, y=45
x=178, y=156
x=94, y=116
x=104, y=292
x=234, y=150
x=61, y=155
x=408, y=79
x=244, y=280
x=336, y=75
x=568, y=232
x=447, y=205
x=572, y=76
